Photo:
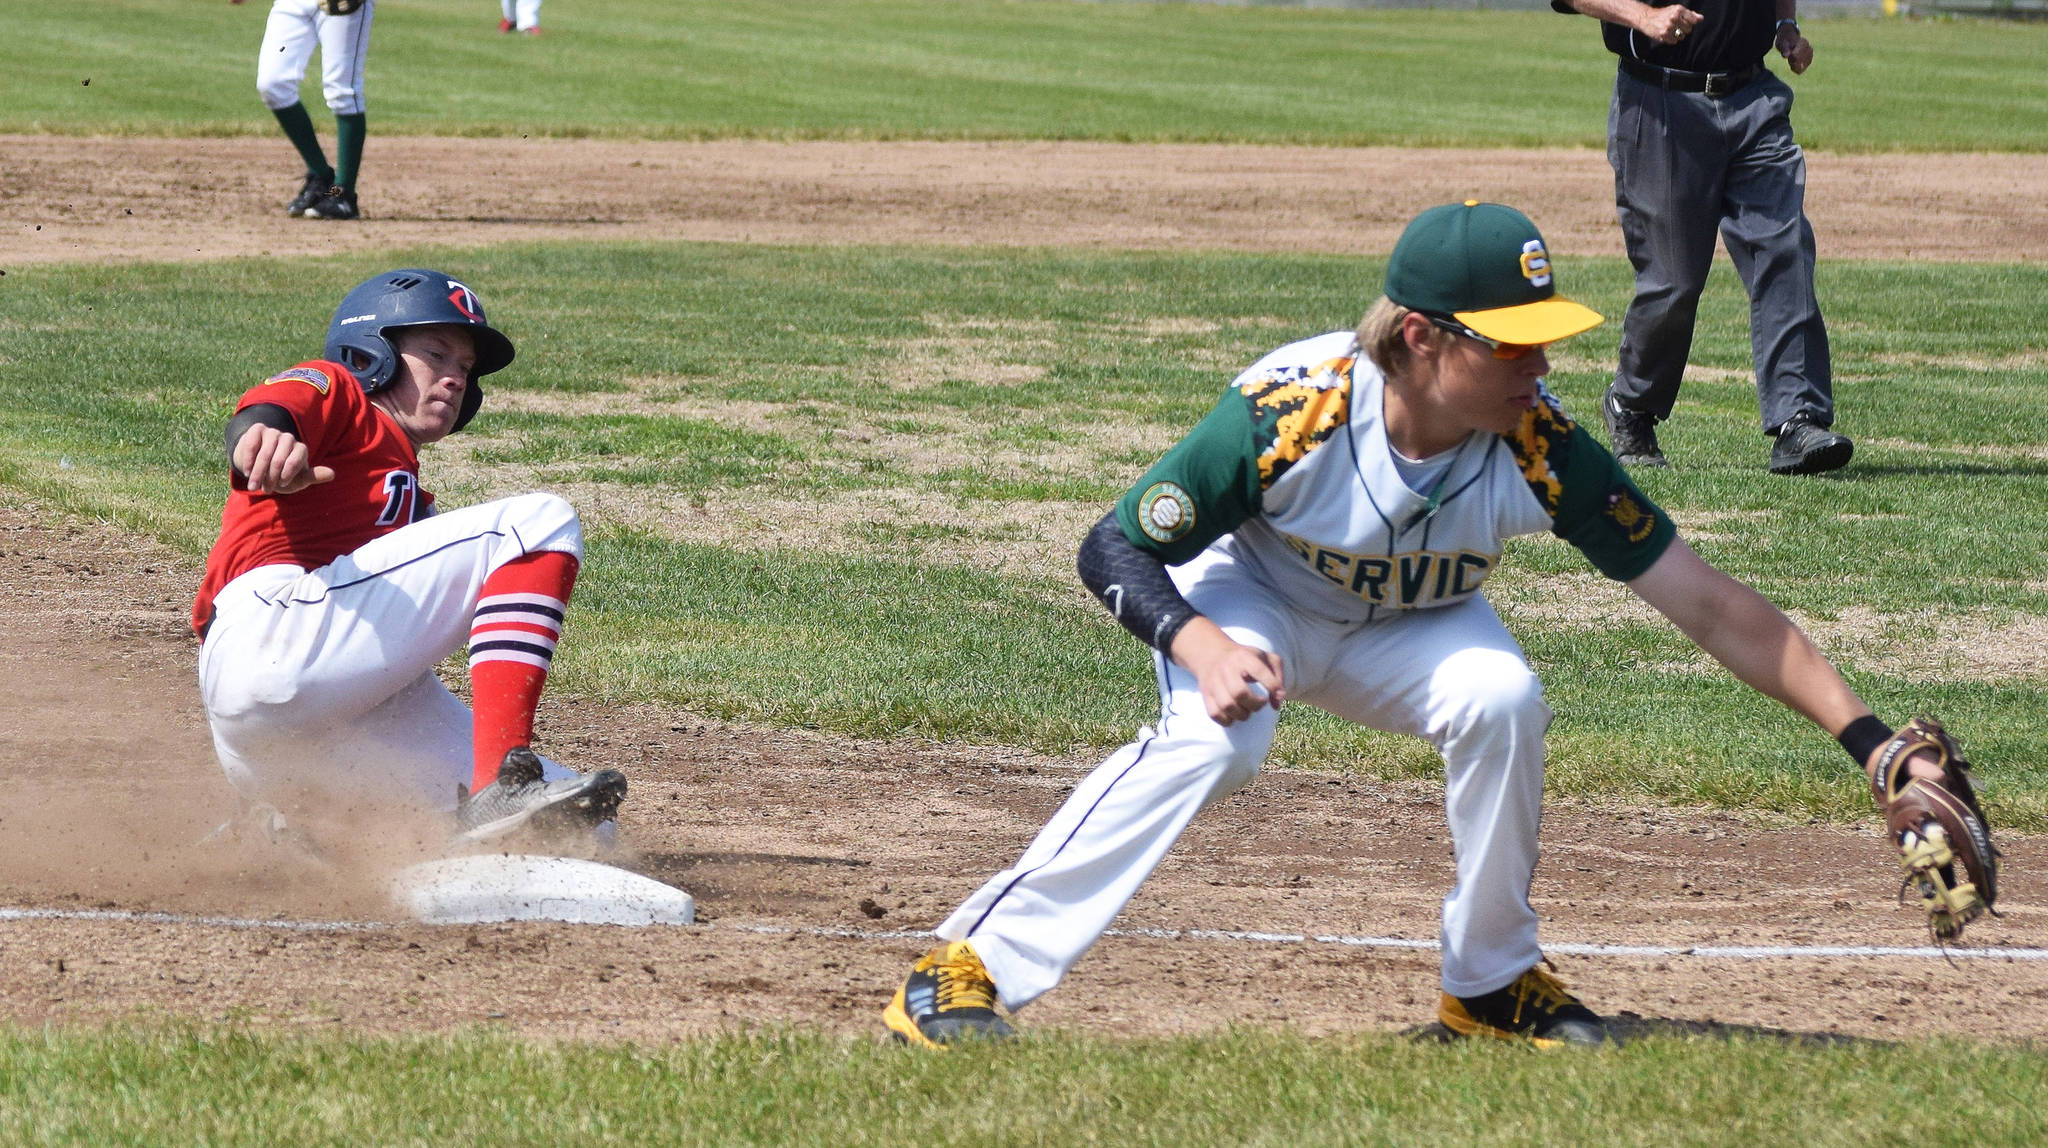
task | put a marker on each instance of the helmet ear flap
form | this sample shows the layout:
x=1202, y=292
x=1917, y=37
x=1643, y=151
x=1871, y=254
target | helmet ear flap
x=373, y=361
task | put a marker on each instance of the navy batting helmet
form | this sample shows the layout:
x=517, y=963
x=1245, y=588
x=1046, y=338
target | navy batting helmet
x=411, y=297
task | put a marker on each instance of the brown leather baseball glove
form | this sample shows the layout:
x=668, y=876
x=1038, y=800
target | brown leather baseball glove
x=1943, y=840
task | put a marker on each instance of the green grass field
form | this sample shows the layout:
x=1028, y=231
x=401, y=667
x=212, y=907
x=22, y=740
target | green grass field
x=949, y=421
x=234, y=1086
x=923, y=69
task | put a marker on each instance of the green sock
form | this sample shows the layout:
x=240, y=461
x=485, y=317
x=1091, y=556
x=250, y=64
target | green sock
x=298, y=128
x=348, y=148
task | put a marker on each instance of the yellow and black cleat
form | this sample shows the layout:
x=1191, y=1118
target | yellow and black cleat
x=1535, y=1009
x=948, y=997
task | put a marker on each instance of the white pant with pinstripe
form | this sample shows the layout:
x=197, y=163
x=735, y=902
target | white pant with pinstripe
x=294, y=29
x=1452, y=675
x=323, y=680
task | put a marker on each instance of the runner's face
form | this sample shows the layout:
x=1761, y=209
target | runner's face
x=434, y=365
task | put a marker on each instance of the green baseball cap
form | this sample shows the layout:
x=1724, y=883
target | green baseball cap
x=1485, y=264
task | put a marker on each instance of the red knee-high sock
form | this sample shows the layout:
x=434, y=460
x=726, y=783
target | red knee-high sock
x=511, y=644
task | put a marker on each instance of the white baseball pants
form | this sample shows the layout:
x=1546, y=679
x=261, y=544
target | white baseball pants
x=294, y=28
x=1452, y=675
x=322, y=681
x=524, y=14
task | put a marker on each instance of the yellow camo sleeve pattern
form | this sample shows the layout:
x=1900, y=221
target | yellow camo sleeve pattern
x=1538, y=444
x=1295, y=410
x=1592, y=502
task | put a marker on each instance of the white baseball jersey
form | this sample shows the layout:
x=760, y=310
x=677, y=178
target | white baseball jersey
x=1293, y=474
x=1288, y=522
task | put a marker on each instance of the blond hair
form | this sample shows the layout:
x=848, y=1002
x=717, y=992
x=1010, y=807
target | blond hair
x=1381, y=338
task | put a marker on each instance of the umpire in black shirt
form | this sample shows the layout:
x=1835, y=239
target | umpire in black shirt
x=1700, y=137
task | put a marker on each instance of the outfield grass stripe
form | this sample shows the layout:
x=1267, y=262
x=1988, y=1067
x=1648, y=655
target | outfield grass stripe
x=1577, y=949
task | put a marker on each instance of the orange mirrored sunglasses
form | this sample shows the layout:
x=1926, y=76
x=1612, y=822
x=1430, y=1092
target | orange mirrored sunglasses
x=1505, y=351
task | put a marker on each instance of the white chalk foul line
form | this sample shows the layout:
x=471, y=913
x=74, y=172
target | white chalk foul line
x=186, y=919
x=1704, y=952
x=1737, y=952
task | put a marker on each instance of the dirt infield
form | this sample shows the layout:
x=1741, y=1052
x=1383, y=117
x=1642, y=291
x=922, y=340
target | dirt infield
x=69, y=199
x=816, y=861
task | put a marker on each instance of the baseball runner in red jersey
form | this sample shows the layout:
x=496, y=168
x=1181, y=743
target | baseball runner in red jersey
x=337, y=585
x=1323, y=536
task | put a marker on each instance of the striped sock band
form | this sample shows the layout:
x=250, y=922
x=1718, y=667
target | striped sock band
x=520, y=628
x=512, y=640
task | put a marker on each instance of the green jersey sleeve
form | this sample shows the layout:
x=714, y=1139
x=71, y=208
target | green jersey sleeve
x=1215, y=479
x=1199, y=491
x=1593, y=503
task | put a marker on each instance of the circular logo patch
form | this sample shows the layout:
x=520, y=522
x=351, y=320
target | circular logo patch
x=1165, y=512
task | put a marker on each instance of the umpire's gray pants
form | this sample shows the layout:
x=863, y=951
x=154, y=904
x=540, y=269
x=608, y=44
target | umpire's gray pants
x=1686, y=165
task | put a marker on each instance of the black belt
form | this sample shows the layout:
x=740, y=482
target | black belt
x=1715, y=84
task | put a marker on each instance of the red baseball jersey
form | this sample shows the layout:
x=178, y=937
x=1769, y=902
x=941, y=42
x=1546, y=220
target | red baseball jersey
x=374, y=492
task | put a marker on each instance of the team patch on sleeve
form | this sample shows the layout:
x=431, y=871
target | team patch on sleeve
x=1165, y=512
x=1628, y=515
x=1294, y=410
x=312, y=376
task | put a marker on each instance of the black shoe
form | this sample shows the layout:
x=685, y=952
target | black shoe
x=316, y=188
x=1804, y=448
x=1631, y=435
x=338, y=203
x=521, y=798
x=1536, y=1008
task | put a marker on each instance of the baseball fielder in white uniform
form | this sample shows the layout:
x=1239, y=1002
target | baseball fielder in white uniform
x=1322, y=536
x=341, y=30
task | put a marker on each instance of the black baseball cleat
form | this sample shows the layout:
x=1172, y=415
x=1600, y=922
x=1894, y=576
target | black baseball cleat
x=1536, y=1008
x=947, y=998
x=316, y=187
x=521, y=798
x=338, y=203
x=1804, y=448
x=1631, y=435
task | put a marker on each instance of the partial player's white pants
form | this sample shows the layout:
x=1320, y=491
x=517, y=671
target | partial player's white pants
x=524, y=14
x=322, y=681
x=1452, y=675
x=295, y=27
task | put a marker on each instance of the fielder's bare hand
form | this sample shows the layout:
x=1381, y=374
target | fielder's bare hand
x=1237, y=680
x=275, y=462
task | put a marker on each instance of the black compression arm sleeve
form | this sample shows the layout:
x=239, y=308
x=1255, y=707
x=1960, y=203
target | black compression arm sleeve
x=1133, y=584
x=259, y=414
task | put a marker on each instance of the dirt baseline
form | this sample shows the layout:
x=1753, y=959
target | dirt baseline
x=813, y=901
x=129, y=199
x=817, y=862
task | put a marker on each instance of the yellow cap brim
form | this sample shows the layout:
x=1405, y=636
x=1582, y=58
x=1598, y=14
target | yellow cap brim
x=1542, y=322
